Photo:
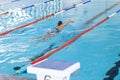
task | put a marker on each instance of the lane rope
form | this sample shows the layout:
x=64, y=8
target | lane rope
x=103, y=12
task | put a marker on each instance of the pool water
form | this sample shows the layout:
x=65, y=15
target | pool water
x=97, y=50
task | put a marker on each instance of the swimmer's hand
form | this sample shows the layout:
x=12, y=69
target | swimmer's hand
x=70, y=20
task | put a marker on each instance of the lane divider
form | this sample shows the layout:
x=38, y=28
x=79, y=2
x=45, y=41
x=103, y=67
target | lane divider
x=5, y=13
x=9, y=2
x=22, y=69
x=103, y=12
x=33, y=22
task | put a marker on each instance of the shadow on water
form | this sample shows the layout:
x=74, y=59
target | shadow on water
x=51, y=47
x=113, y=72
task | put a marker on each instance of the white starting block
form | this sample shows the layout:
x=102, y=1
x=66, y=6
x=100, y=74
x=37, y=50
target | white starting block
x=53, y=69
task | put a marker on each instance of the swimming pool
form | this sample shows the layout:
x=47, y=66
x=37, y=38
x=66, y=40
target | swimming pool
x=97, y=51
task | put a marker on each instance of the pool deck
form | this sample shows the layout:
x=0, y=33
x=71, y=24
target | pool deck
x=11, y=77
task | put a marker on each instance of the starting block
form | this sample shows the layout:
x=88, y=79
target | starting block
x=53, y=69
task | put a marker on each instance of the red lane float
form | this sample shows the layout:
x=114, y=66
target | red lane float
x=28, y=24
x=69, y=42
x=5, y=13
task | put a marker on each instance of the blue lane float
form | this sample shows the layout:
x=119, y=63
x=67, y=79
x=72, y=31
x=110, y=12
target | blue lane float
x=118, y=11
x=15, y=0
x=87, y=2
x=48, y=1
x=28, y=6
x=8, y=2
x=69, y=8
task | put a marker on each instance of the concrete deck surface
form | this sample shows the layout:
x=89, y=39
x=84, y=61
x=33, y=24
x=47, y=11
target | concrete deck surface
x=11, y=77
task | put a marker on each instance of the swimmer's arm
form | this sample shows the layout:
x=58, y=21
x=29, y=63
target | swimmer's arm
x=64, y=24
x=67, y=22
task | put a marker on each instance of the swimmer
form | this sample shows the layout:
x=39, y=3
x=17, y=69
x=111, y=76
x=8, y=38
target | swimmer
x=54, y=31
x=59, y=27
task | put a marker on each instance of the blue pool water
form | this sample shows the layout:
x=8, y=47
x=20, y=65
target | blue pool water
x=97, y=51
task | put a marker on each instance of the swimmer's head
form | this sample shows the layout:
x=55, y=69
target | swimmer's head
x=59, y=23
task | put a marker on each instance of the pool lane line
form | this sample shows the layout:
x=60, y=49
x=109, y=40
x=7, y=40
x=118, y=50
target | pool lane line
x=40, y=19
x=8, y=2
x=5, y=13
x=101, y=13
x=73, y=39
